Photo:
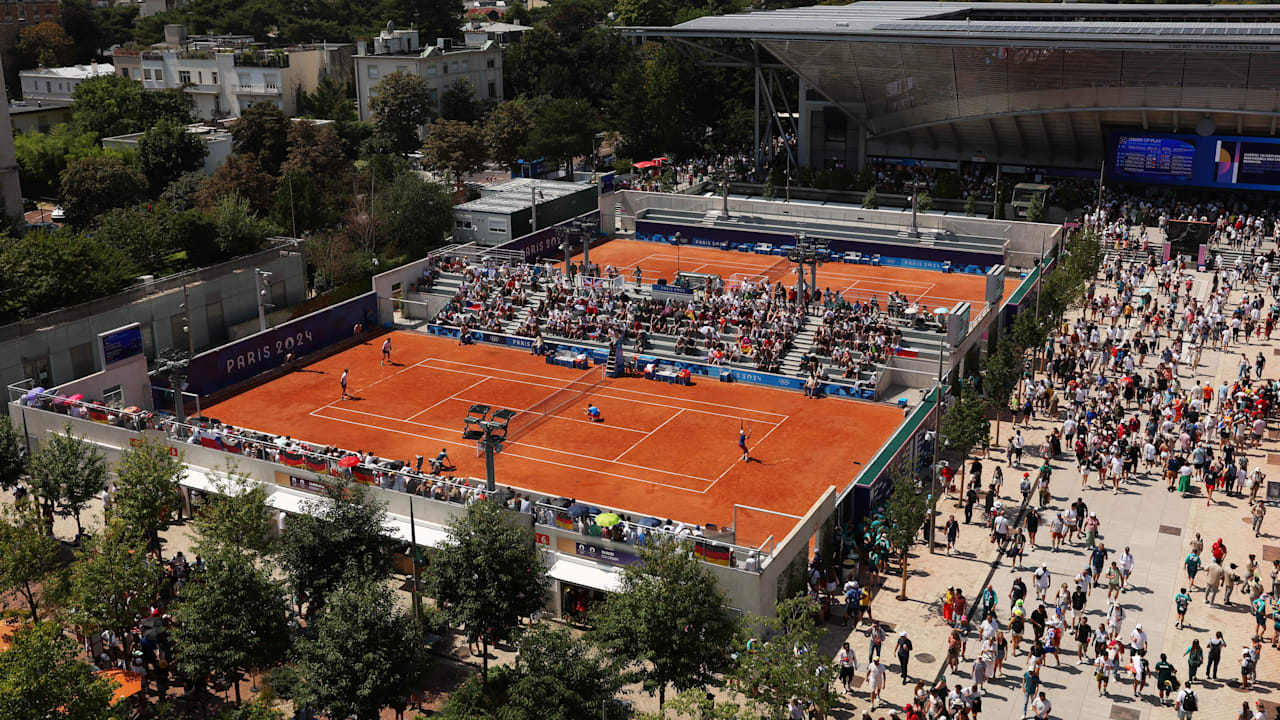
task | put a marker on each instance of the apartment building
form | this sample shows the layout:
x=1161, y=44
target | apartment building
x=441, y=64
x=225, y=74
x=58, y=83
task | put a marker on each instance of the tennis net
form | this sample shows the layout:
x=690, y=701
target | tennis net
x=548, y=406
x=775, y=271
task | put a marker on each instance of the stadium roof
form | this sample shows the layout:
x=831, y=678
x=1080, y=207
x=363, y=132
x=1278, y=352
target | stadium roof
x=981, y=23
x=1034, y=83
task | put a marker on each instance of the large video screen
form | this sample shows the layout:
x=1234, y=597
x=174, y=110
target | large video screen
x=1222, y=161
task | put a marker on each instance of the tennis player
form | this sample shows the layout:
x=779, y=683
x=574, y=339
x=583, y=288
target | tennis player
x=386, y=351
x=593, y=412
x=343, y=382
x=742, y=444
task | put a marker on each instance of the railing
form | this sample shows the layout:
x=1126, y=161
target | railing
x=257, y=90
x=388, y=475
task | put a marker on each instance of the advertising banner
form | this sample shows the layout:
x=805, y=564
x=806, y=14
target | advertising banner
x=1222, y=161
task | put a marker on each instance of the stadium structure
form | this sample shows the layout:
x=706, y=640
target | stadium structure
x=1043, y=84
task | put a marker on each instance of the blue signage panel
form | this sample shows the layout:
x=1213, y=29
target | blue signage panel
x=1220, y=161
x=122, y=344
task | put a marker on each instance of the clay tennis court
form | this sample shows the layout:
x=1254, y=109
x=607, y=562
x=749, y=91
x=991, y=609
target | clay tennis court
x=855, y=282
x=664, y=450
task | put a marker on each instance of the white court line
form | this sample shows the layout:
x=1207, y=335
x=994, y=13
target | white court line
x=454, y=396
x=824, y=272
x=523, y=457
x=647, y=435
x=642, y=393
x=735, y=463
x=406, y=368
x=528, y=445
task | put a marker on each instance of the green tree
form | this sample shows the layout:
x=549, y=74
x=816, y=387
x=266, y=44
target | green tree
x=316, y=151
x=93, y=185
x=904, y=515
x=416, y=215
x=43, y=677
x=505, y=130
x=263, y=132
x=455, y=147
x=334, y=259
x=562, y=129
x=669, y=618
x=67, y=472
x=13, y=454
x=361, y=655
x=181, y=194
x=335, y=537
x=29, y=558
x=147, y=488
x=644, y=12
x=236, y=517
x=46, y=270
x=557, y=676
x=964, y=426
x=42, y=157
x=142, y=231
x=236, y=230
x=488, y=575
x=112, y=581
x=1035, y=208
x=789, y=662
x=433, y=18
x=330, y=101
x=112, y=104
x=301, y=205
x=44, y=44
x=232, y=620
x=401, y=106
x=167, y=150
x=241, y=175
x=1000, y=374
x=459, y=102
x=870, y=200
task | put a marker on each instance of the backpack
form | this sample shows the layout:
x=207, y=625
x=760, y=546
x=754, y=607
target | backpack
x=1189, y=702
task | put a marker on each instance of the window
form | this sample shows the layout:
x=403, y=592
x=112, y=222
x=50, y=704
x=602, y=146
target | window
x=493, y=90
x=37, y=369
x=498, y=229
x=213, y=78
x=431, y=71
x=457, y=223
x=184, y=77
x=242, y=79
x=271, y=80
x=402, y=68
x=490, y=63
x=113, y=396
x=373, y=72
x=159, y=75
x=466, y=65
x=444, y=68
x=48, y=86
x=146, y=73
x=199, y=77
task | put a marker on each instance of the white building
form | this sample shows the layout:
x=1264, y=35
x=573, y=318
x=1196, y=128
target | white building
x=476, y=32
x=224, y=75
x=58, y=83
x=218, y=141
x=441, y=64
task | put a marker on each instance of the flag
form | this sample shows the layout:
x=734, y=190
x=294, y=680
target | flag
x=718, y=554
x=292, y=458
x=362, y=474
x=232, y=445
x=563, y=522
x=210, y=442
x=315, y=463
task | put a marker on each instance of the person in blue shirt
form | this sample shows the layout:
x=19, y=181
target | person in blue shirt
x=593, y=412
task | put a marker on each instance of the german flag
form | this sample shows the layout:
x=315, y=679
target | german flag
x=315, y=463
x=292, y=458
x=362, y=474
x=97, y=414
x=563, y=521
x=718, y=554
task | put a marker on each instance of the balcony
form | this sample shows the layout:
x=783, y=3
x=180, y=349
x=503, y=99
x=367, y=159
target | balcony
x=257, y=90
x=202, y=88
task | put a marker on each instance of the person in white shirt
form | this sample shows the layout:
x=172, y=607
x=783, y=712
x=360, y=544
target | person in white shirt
x=1041, y=706
x=1126, y=569
x=848, y=663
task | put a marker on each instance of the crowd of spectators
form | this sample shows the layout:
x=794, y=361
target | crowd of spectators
x=859, y=336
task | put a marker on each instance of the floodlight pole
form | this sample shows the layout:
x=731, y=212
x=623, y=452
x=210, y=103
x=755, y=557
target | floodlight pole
x=915, y=228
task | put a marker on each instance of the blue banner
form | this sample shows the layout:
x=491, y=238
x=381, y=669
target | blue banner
x=1221, y=161
x=243, y=359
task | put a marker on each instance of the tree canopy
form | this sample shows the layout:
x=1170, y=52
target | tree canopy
x=42, y=670
x=455, y=147
x=112, y=581
x=68, y=472
x=669, y=618
x=147, y=487
x=44, y=44
x=401, y=106
x=262, y=131
x=112, y=104
x=167, y=150
x=93, y=185
x=30, y=557
x=44, y=271
x=562, y=129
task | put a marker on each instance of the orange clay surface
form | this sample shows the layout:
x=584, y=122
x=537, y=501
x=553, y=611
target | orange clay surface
x=664, y=450
x=855, y=282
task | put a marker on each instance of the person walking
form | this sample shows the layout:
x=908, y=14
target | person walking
x=1041, y=706
x=1192, y=564
x=848, y=663
x=1259, y=512
x=343, y=382
x=1030, y=685
x=1214, y=576
x=903, y=651
x=1187, y=702
x=1164, y=679
x=876, y=673
x=1216, y=643
x=952, y=529
x=1195, y=657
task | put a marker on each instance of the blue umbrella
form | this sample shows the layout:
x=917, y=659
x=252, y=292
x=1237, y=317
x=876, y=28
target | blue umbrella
x=650, y=522
x=578, y=510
